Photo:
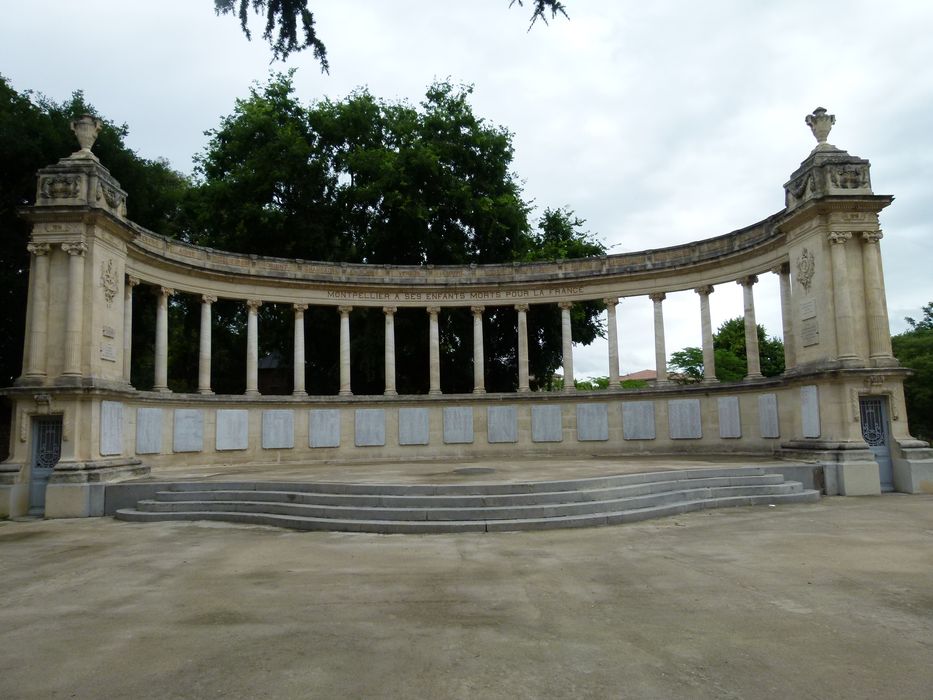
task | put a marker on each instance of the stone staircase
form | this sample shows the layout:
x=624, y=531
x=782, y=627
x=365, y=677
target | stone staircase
x=476, y=507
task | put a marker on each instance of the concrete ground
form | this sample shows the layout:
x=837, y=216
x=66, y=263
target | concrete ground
x=833, y=600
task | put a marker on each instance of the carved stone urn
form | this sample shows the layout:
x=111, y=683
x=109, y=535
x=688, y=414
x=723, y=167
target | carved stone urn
x=86, y=128
x=820, y=124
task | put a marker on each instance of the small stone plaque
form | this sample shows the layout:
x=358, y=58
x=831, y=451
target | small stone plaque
x=413, y=426
x=809, y=332
x=730, y=420
x=370, y=427
x=638, y=420
x=188, y=430
x=109, y=332
x=546, y=424
x=768, y=416
x=810, y=411
x=502, y=424
x=232, y=429
x=108, y=352
x=278, y=429
x=592, y=421
x=808, y=309
x=148, y=431
x=458, y=425
x=683, y=417
x=324, y=428
x=111, y=428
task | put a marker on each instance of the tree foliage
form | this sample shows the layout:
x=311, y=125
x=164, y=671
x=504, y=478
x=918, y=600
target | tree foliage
x=730, y=356
x=914, y=349
x=284, y=17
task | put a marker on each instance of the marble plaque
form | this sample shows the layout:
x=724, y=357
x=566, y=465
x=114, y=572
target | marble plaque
x=111, y=428
x=108, y=352
x=546, y=424
x=768, y=416
x=188, y=434
x=458, y=425
x=592, y=421
x=413, y=426
x=232, y=429
x=810, y=411
x=730, y=421
x=502, y=424
x=370, y=427
x=278, y=429
x=809, y=332
x=807, y=309
x=148, y=431
x=683, y=417
x=324, y=428
x=638, y=420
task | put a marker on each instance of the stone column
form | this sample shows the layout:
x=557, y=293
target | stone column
x=613, y=332
x=204, y=351
x=344, y=312
x=298, y=382
x=751, y=328
x=660, y=353
x=434, y=351
x=845, y=345
x=879, y=333
x=787, y=323
x=252, y=346
x=706, y=330
x=522, y=310
x=389, y=311
x=128, y=327
x=160, y=382
x=479, y=373
x=37, y=359
x=74, y=320
x=566, y=345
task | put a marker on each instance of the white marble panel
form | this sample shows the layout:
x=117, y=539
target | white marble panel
x=730, y=420
x=546, y=424
x=324, y=428
x=232, y=429
x=370, y=427
x=592, y=421
x=810, y=411
x=638, y=420
x=768, y=416
x=413, y=426
x=502, y=424
x=458, y=425
x=684, y=419
x=278, y=429
x=148, y=431
x=188, y=434
x=111, y=428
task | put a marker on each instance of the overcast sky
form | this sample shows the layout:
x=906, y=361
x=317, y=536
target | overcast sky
x=658, y=122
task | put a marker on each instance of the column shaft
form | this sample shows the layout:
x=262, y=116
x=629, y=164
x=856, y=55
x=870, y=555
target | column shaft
x=613, y=332
x=37, y=359
x=845, y=346
x=706, y=330
x=751, y=328
x=522, y=310
x=390, y=389
x=434, y=351
x=298, y=382
x=345, y=386
x=160, y=382
x=566, y=345
x=128, y=328
x=74, y=320
x=787, y=322
x=879, y=332
x=204, y=349
x=479, y=373
x=252, y=346
x=660, y=352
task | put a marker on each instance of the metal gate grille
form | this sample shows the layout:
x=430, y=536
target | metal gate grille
x=873, y=428
x=48, y=443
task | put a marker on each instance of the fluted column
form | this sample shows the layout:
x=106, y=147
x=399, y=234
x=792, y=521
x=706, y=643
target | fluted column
x=660, y=352
x=345, y=386
x=128, y=327
x=706, y=330
x=389, y=311
x=613, y=332
x=842, y=300
x=566, y=337
x=204, y=349
x=879, y=332
x=298, y=380
x=479, y=373
x=522, y=310
x=434, y=351
x=252, y=346
x=787, y=323
x=74, y=320
x=751, y=327
x=160, y=361
x=37, y=359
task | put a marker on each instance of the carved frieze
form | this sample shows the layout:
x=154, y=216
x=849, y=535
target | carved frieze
x=59, y=187
x=806, y=267
x=108, y=281
x=849, y=177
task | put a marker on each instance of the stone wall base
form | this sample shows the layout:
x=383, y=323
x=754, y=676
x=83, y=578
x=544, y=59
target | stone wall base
x=913, y=469
x=76, y=489
x=849, y=469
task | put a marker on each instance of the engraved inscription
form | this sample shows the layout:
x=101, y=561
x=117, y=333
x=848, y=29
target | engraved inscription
x=808, y=309
x=809, y=332
x=108, y=352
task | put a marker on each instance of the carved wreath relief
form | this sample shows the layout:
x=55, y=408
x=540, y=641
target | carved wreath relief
x=108, y=281
x=806, y=267
x=59, y=187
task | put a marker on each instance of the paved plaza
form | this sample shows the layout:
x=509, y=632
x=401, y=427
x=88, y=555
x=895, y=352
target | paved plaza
x=833, y=600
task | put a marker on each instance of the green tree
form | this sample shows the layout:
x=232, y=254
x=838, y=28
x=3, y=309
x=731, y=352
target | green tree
x=729, y=354
x=914, y=349
x=284, y=17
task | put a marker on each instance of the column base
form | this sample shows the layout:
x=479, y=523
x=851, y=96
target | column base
x=884, y=361
x=345, y=392
x=757, y=375
x=162, y=389
x=252, y=393
x=300, y=394
x=390, y=392
x=713, y=380
x=524, y=390
x=479, y=391
x=435, y=392
x=205, y=392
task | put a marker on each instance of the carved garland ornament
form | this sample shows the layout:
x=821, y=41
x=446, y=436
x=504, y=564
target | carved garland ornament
x=806, y=267
x=108, y=281
x=59, y=187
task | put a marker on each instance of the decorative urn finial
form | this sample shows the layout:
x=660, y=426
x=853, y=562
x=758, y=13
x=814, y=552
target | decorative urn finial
x=820, y=124
x=86, y=127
